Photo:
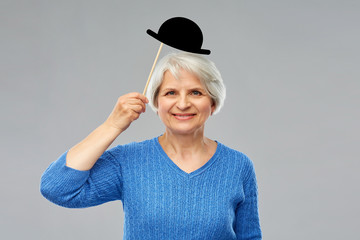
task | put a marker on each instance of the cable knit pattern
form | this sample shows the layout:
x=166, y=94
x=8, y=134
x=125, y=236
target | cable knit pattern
x=161, y=201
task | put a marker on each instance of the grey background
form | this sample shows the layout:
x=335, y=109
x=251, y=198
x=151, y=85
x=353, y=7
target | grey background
x=292, y=74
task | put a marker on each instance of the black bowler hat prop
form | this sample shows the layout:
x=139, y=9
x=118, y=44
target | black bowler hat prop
x=181, y=33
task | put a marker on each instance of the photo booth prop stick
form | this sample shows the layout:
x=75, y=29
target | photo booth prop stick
x=152, y=69
x=180, y=33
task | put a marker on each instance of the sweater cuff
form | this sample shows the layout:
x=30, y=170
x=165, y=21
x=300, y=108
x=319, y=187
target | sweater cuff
x=68, y=172
x=59, y=180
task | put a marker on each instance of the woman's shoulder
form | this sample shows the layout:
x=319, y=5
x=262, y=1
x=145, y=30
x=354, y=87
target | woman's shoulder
x=238, y=157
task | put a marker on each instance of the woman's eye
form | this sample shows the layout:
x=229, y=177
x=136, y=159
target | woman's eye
x=197, y=93
x=170, y=93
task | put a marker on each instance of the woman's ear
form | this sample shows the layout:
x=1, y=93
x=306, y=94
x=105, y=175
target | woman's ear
x=213, y=107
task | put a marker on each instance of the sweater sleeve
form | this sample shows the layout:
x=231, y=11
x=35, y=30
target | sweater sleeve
x=73, y=188
x=247, y=216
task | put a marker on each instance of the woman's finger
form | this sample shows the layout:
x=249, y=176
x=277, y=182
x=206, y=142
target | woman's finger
x=138, y=102
x=140, y=96
x=138, y=108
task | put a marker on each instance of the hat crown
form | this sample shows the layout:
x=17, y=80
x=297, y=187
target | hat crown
x=181, y=33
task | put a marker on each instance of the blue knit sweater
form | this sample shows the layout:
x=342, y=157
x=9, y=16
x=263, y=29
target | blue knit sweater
x=161, y=201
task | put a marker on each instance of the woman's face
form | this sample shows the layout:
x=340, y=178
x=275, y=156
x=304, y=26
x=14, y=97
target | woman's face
x=183, y=104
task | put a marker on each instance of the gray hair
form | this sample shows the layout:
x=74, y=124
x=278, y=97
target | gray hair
x=200, y=66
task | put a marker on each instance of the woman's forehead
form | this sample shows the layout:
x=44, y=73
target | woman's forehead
x=184, y=78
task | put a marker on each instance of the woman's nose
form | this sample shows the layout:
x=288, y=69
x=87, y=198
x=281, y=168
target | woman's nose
x=183, y=102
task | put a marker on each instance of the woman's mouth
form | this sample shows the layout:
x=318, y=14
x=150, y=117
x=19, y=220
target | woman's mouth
x=183, y=116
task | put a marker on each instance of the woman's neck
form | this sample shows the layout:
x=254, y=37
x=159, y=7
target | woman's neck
x=185, y=146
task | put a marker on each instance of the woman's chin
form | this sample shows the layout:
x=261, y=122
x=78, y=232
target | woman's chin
x=185, y=131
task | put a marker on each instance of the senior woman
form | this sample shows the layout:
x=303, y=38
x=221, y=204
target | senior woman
x=180, y=185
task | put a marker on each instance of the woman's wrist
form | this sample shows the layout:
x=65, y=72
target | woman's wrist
x=107, y=126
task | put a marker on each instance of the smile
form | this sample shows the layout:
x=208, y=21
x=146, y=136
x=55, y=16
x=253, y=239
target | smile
x=184, y=116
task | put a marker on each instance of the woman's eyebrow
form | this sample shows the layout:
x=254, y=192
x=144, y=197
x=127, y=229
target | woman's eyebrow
x=198, y=88
x=168, y=89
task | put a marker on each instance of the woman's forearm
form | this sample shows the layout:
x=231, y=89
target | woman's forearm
x=84, y=155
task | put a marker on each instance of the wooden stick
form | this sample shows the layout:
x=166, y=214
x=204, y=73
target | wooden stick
x=152, y=69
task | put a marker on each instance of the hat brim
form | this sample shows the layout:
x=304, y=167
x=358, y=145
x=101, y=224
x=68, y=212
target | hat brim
x=157, y=37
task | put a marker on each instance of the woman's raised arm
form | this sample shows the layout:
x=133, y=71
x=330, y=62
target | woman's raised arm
x=128, y=108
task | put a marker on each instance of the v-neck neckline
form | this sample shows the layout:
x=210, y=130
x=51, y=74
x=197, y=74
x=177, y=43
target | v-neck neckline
x=196, y=172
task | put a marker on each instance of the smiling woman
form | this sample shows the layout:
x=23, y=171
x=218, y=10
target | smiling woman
x=183, y=103
x=201, y=68
x=180, y=185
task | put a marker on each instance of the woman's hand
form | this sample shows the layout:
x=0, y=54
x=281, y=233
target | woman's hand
x=127, y=109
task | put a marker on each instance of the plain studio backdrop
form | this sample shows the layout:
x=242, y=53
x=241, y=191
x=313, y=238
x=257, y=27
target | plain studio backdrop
x=291, y=69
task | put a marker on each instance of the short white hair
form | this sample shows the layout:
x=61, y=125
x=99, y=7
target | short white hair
x=198, y=65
